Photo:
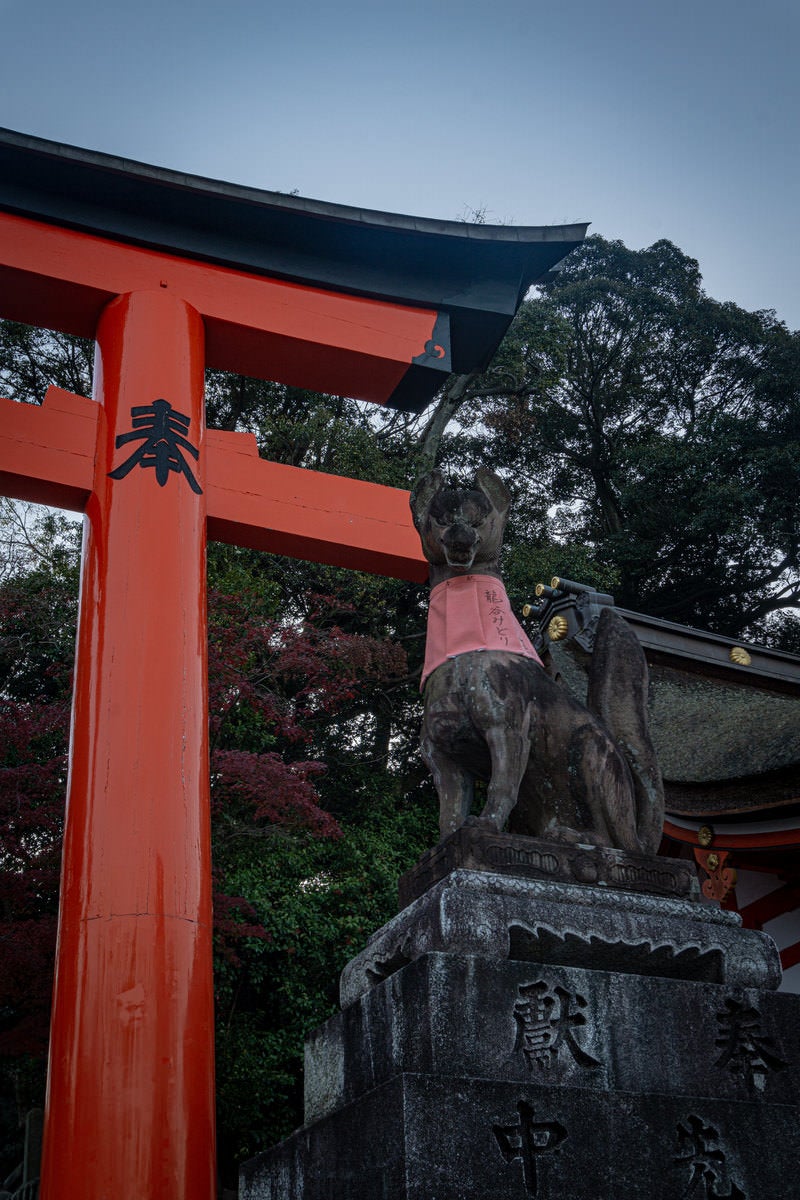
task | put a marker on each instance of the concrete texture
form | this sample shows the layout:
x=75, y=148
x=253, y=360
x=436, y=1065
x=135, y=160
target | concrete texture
x=526, y=1022
x=500, y=917
x=423, y=1137
x=507, y=1038
x=476, y=849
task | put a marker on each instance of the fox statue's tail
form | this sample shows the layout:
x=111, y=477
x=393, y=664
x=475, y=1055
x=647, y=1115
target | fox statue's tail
x=618, y=680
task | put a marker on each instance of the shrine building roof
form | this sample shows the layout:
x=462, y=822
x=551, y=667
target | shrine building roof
x=724, y=717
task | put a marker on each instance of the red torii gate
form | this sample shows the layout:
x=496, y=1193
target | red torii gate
x=169, y=275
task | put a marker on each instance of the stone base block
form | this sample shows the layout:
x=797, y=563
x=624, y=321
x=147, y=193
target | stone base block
x=506, y=1038
x=498, y=917
x=422, y=1137
x=474, y=848
x=525, y=1023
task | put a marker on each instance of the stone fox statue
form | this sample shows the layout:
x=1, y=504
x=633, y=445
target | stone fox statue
x=554, y=768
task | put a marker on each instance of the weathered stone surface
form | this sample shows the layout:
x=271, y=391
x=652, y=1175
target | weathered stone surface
x=474, y=848
x=510, y=1038
x=567, y=1027
x=499, y=917
x=555, y=767
x=713, y=732
x=423, y=1137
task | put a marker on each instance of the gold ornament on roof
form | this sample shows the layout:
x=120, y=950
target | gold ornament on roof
x=557, y=629
x=739, y=655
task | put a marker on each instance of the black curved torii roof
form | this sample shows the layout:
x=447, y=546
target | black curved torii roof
x=474, y=276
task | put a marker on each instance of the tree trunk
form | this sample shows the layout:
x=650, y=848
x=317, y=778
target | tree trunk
x=444, y=412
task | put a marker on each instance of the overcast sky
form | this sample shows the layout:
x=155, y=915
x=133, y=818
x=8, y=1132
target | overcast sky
x=674, y=120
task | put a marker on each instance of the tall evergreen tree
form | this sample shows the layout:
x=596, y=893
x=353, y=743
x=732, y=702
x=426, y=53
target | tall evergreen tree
x=662, y=429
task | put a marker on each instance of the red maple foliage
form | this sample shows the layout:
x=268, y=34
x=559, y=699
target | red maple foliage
x=31, y=810
x=272, y=683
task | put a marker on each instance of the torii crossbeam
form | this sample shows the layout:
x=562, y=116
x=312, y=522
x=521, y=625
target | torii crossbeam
x=170, y=275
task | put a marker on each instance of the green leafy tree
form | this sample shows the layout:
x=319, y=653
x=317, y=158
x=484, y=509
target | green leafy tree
x=656, y=429
x=31, y=360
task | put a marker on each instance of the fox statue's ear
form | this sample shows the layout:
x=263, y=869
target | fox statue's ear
x=493, y=489
x=422, y=495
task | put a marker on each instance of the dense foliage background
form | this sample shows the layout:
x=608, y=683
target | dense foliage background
x=651, y=436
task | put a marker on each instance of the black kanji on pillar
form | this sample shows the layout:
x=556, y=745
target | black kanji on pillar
x=161, y=431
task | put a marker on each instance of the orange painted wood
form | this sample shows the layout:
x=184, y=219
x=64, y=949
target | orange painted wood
x=309, y=337
x=47, y=452
x=130, y=1106
x=790, y=956
x=47, y=456
x=308, y=514
x=721, y=879
x=774, y=904
x=737, y=841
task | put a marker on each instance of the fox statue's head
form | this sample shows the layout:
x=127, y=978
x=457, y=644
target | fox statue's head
x=461, y=529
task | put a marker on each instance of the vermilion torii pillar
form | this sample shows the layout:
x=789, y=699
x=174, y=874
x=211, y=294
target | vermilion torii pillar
x=170, y=275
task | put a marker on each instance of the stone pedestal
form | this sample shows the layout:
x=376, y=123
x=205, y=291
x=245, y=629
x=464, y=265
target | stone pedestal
x=505, y=1038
